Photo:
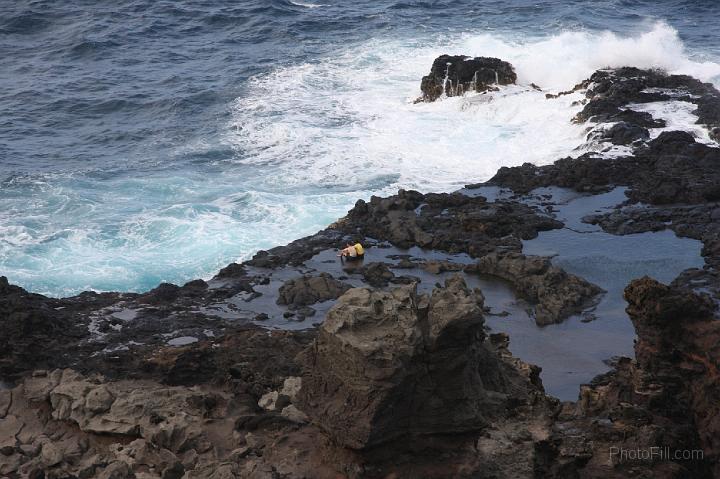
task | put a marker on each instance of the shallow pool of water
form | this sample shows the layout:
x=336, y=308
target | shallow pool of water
x=573, y=352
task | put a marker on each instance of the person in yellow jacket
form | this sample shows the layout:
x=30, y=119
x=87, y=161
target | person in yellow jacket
x=352, y=251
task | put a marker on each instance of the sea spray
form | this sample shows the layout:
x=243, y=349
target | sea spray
x=305, y=141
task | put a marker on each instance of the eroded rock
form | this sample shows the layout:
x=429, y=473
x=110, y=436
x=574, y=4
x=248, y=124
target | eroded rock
x=308, y=290
x=377, y=274
x=556, y=293
x=390, y=364
x=456, y=75
x=668, y=396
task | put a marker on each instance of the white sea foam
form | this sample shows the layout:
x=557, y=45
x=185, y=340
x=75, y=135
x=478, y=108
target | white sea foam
x=560, y=61
x=308, y=5
x=14, y=236
x=678, y=115
x=349, y=122
x=311, y=138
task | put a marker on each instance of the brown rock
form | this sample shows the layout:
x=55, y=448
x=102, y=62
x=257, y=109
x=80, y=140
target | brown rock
x=293, y=414
x=5, y=402
x=309, y=290
x=10, y=426
x=99, y=400
x=388, y=364
x=116, y=470
x=556, y=294
x=51, y=454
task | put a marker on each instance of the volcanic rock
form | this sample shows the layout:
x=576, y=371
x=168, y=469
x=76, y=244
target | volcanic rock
x=672, y=168
x=33, y=333
x=623, y=133
x=449, y=222
x=307, y=290
x=377, y=274
x=455, y=75
x=666, y=398
x=392, y=364
x=556, y=293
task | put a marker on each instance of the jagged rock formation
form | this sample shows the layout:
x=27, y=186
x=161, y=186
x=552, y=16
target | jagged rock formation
x=664, y=401
x=672, y=168
x=451, y=222
x=392, y=364
x=30, y=323
x=673, y=175
x=622, y=133
x=92, y=427
x=678, y=346
x=455, y=75
x=377, y=274
x=37, y=331
x=611, y=90
x=391, y=368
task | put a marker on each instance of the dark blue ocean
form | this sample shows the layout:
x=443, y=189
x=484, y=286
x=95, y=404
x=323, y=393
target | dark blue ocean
x=149, y=141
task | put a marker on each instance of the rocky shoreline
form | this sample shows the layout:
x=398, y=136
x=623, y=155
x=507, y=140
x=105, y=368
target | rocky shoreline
x=293, y=365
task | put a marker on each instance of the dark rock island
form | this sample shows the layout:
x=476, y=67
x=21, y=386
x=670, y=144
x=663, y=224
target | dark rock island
x=456, y=75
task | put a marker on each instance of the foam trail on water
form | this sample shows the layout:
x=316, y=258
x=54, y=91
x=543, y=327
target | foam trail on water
x=308, y=5
x=347, y=119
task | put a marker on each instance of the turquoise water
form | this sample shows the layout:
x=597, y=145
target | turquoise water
x=153, y=141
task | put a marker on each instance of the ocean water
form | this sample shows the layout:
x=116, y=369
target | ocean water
x=146, y=141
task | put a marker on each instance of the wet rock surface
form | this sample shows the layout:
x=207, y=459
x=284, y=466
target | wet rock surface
x=448, y=222
x=219, y=378
x=377, y=274
x=664, y=401
x=454, y=75
x=309, y=290
x=36, y=331
x=625, y=133
x=556, y=293
x=671, y=168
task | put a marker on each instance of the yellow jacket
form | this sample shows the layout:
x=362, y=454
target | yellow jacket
x=359, y=249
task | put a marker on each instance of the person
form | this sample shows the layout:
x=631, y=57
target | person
x=348, y=252
x=352, y=251
x=359, y=250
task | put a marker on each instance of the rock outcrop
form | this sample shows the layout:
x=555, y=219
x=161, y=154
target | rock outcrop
x=41, y=332
x=678, y=337
x=94, y=428
x=394, y=379
x=393, y=364
x=456, y=75
x=30, y=325
x=399, y=383
x=448, y=222
x=377, y=274
x=672, y=168
x=663, y=406
x=307, y=290
x=624, y=133
x=555, y=293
